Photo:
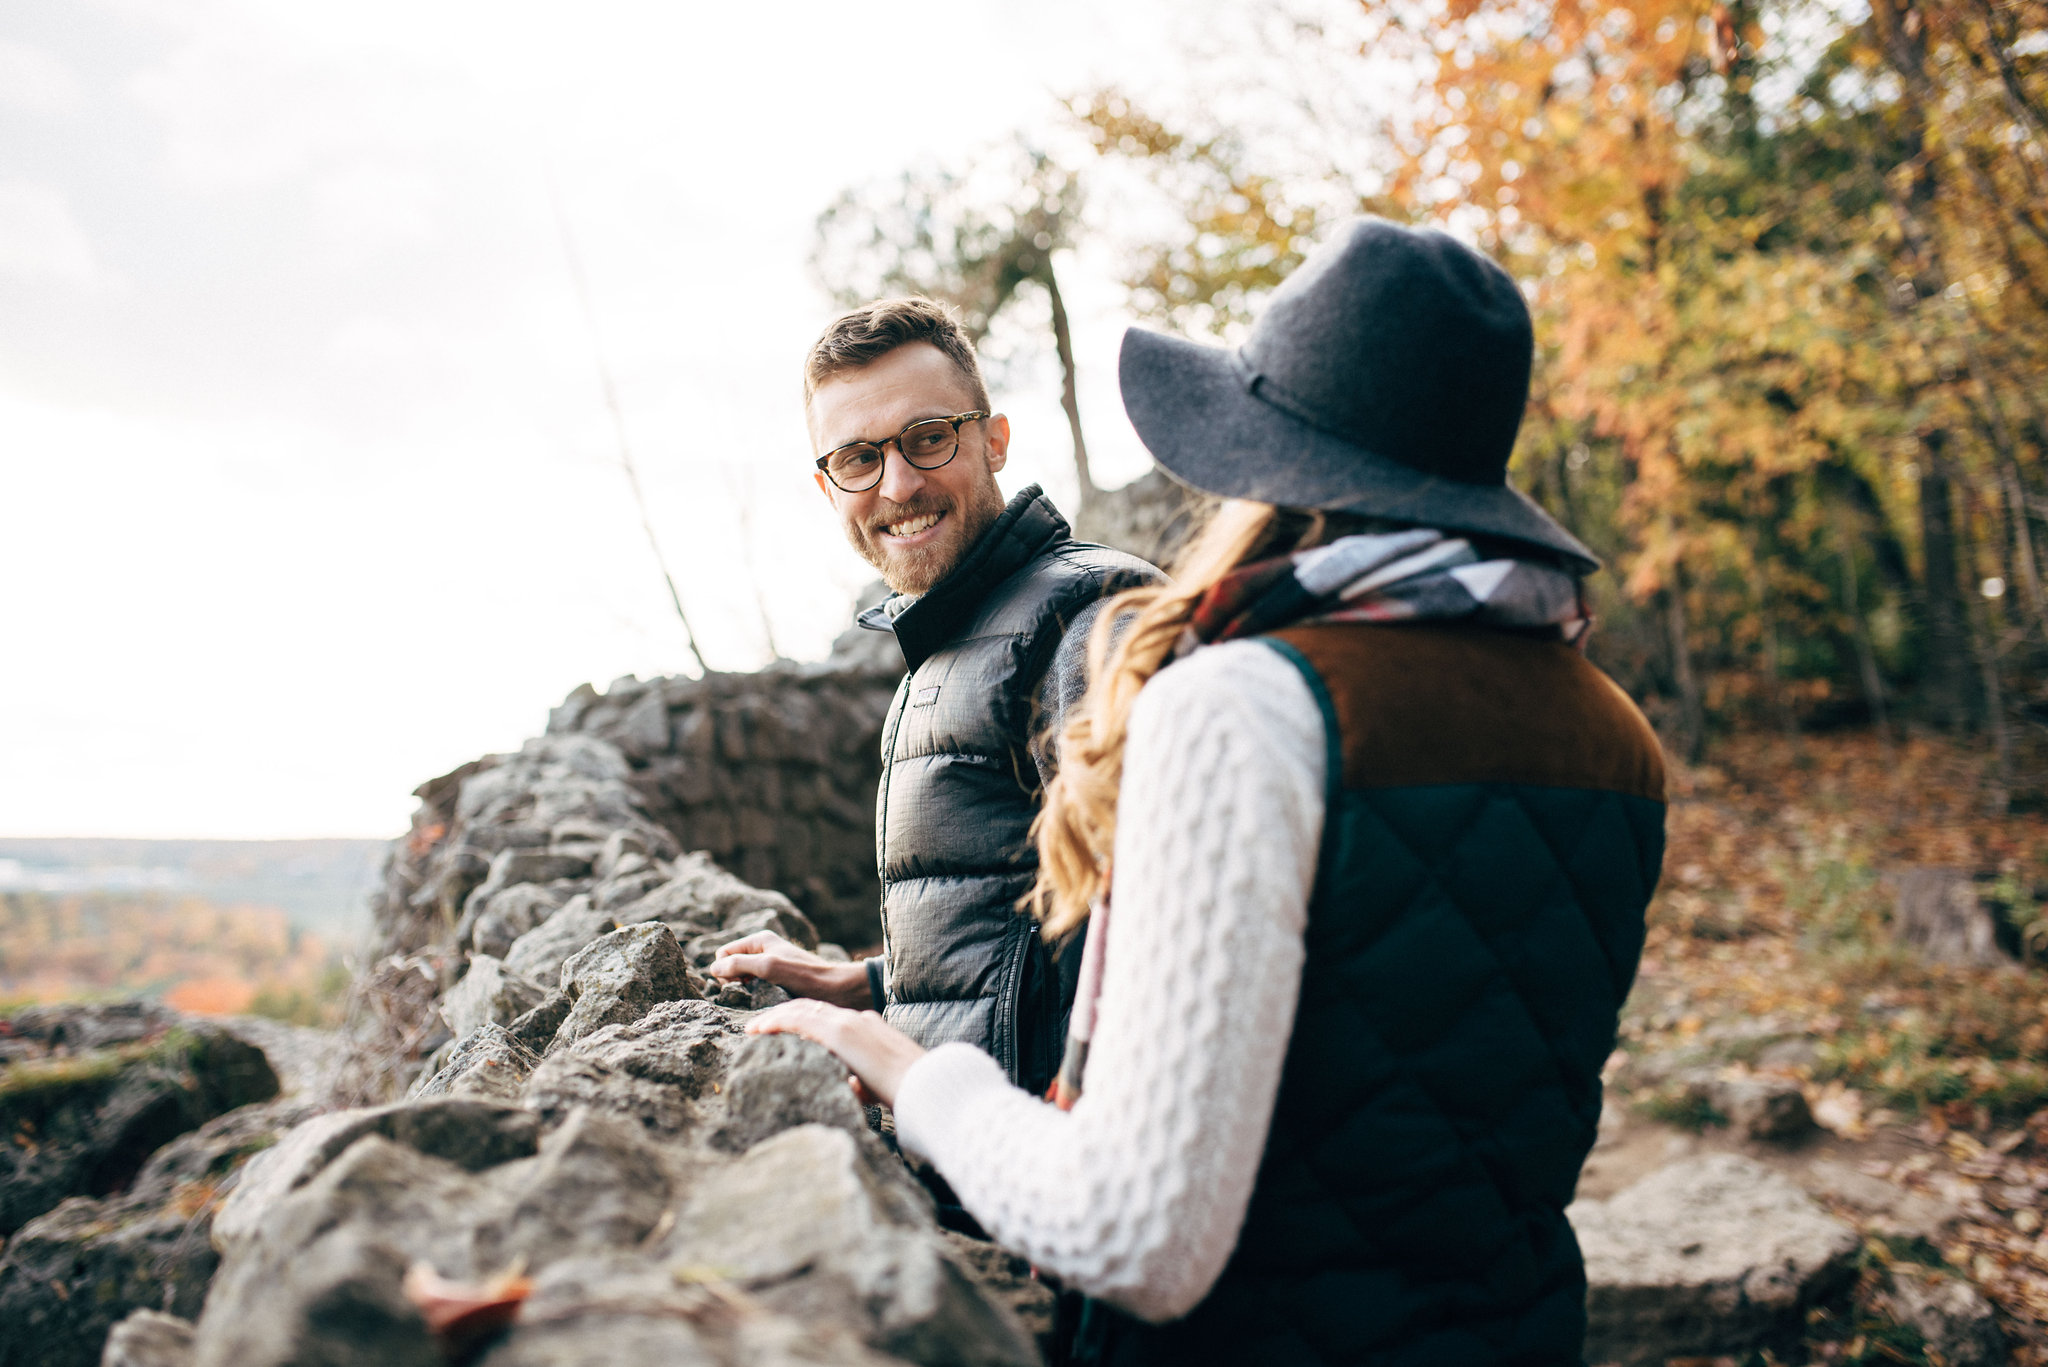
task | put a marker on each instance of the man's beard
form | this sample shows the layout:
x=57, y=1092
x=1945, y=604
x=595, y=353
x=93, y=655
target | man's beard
x=915, y=570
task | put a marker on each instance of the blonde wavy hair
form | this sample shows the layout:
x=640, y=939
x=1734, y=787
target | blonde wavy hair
x=1076, y=829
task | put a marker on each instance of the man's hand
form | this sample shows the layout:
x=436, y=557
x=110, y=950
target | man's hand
x=798, y=972
x=874, y=1051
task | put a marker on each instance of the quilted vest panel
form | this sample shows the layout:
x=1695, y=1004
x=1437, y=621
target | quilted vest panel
x=959, y=790
x=1494, y=831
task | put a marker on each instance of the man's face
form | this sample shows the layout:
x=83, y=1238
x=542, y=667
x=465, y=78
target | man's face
x=916, y=524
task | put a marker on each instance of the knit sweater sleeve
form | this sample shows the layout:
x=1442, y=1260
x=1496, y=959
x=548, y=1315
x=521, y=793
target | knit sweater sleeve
x=1138, y=1193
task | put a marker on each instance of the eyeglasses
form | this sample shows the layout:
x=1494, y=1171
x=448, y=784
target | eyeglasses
x=927, y=444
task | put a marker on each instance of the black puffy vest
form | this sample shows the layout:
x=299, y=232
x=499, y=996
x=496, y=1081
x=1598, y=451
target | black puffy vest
x=959, y=788
x=1494, y=829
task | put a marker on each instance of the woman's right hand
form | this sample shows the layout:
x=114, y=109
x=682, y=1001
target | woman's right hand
x=797, y=971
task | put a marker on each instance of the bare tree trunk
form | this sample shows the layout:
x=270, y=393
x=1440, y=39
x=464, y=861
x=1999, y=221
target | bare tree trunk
x=1787, y=722
x=1692, y=712
x=1948, y=645
x=1063, y=342
x=1999, y=798
x=1859, y=631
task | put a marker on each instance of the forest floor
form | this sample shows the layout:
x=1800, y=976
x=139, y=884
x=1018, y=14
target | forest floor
x=1773, y=924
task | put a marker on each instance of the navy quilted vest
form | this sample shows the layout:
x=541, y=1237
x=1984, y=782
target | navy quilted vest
x=1494, y=830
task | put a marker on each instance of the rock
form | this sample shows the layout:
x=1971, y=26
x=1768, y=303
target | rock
x=338, y=1299
x=803, y=1224
x=1883, y=1207
x=69, y=1274
x=616, y=979
x=471, y=1132
x=84, y=1125
x=490, y=1064
x=489, y=994
x=1711, y=1255
x=1756, y=1106
x=779, y=1081
x=1937, y=912
x=1007, y=1279
x=149, y=1338
x=699, y=896
x=651, y=1071
x=83, y=1027
x=539, y=954
x=1953, y=1318
x=536, y=1029
x=509, y=913
x=318, y=1278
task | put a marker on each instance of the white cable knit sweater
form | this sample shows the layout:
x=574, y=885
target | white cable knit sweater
x=1138, y=1193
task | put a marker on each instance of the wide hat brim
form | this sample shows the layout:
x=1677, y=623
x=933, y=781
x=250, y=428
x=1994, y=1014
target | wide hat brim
x=1195, y=409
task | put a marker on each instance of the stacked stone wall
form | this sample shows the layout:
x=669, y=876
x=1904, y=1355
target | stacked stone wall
x=772, y=774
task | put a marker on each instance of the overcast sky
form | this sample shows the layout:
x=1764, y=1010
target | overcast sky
x=306, y=489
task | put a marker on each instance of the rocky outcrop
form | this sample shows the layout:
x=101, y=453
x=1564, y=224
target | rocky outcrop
x=91, y=1094
x=1712, y=1255
x=111, y=1216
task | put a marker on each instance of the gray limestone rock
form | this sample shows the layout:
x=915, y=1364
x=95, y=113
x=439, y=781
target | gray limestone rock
x=489, y=994
x=779, y=1081
x=510, y=912
x=539, y=954
x=615, y=979
x=699, y=896
x=804, y=1224
x=536, y=1029
x=1884, y=1207
x=149, y=1338
x=1716, y=1254
x=1953, y=1318
x=491, y=1064
x=466, y=1131
x=652, y=1071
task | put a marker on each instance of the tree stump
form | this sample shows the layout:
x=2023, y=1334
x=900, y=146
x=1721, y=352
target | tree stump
x=1936, y=911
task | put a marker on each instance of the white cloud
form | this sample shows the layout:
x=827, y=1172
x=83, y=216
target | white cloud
x=35, y=78
x=40, y=238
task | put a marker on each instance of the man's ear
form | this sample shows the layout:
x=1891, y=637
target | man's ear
x=825, y=487
x=998, y=442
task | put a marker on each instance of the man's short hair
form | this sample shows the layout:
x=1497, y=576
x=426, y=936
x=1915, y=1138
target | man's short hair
x=872, y=331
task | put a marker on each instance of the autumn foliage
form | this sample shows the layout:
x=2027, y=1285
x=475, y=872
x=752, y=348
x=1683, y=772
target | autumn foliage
x=196, y=955
x=1789, y=263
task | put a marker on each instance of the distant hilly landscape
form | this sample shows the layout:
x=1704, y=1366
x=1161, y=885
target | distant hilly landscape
x=205, y=925
x=320, y=885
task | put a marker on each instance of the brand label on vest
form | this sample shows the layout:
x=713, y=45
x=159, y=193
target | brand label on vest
x=925, y=697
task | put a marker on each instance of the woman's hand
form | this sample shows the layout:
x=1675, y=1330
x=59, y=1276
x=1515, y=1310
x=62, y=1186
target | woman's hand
x=874, y=1051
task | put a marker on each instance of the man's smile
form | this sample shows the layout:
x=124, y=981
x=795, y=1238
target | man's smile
x=913, y=528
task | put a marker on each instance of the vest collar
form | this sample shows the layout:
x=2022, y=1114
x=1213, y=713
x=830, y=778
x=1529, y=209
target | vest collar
x=923, y=625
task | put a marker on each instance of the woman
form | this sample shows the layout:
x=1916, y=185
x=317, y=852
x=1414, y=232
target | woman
x=1381, y=840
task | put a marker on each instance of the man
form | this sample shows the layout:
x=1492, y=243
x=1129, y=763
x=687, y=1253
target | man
x=992, y=605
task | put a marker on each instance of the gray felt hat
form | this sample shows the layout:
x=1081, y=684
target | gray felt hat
x=1386, y=376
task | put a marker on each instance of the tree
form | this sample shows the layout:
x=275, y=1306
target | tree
x=973, y=238
x=1771, y=353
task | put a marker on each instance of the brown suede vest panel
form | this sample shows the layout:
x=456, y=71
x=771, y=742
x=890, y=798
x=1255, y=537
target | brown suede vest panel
x=1438, y=703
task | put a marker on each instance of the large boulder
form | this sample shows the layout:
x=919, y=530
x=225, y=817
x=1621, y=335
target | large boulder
x=1711, y=1255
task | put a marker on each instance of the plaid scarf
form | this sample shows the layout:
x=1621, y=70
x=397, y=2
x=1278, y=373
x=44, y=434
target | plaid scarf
x=1418, y=575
